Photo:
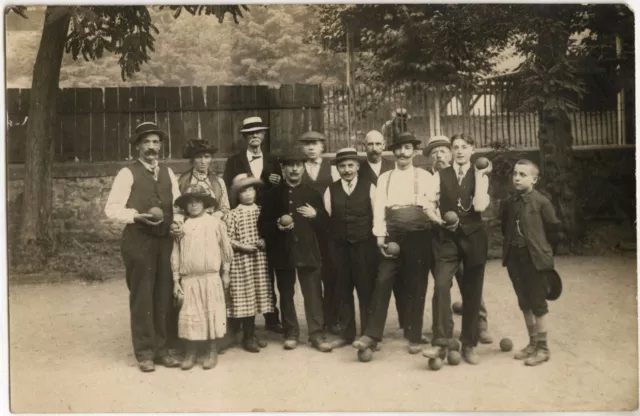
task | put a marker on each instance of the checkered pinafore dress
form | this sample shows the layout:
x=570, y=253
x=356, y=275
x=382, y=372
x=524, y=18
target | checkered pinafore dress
x=250, y=288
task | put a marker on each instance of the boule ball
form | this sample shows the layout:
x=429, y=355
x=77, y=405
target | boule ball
x=156, y=213
x=506, y=344
x=450, y=218
x=286, y=220
x=454, y=358
x=482, y=163
x=393, y=249
x=174, y=227
x=454, y=345
x=456, y=307
x=435, y=364
x=365, y=355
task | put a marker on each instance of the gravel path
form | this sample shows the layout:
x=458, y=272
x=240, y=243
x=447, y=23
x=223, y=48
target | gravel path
x=70, y=351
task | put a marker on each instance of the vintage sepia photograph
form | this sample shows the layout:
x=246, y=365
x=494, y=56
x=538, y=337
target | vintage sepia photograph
x=320, y=208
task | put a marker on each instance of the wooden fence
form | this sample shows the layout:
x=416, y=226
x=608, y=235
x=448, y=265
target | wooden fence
x=94, y=124
x=490, y=112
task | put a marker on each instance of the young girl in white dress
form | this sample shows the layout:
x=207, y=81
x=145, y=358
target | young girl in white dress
x=200, y=263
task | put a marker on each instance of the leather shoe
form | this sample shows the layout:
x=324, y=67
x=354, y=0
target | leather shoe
x=290, y=344
x=338, y=343
x=435, y=351
x=485, y=338
x=414, y=347
x=146, y=366
x=261, y=343
x=321, y=344
x=168, y=361
x=364, y=342
x=275, y=327
x=251, y=345
x=470, y=356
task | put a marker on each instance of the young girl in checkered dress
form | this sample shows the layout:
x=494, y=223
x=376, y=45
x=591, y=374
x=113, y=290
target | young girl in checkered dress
x=250, y=288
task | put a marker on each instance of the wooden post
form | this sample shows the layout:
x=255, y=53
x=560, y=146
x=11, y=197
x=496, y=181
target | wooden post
x=620, y=106
x=436, y=110
x=350, y=76
x=432, y=122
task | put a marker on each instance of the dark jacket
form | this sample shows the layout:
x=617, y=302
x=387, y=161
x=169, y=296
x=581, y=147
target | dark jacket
x=323, y=180
x=539, y=225
x=239, y=163
x=368, y=174
x=299, y=246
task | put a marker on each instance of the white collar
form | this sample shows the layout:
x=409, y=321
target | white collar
x=250, y=154
x=465, y=167
x=318, y=160
x=374, y=164
x=149, y=166
x=354, y=181
x=247, y=207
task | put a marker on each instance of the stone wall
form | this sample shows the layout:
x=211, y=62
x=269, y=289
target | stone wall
x=81, y=190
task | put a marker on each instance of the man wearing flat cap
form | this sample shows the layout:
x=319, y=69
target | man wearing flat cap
x=349, y=203
x=146, y=244
x=399, y=217
x=255, y=163
x=319, y=174
x=291, y=218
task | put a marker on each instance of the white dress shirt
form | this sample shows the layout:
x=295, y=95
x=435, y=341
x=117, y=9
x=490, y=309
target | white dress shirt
x=348, y=191
x=313, y=169
x=376, y=167
x=481, y=197
x=401, y=192
x=116, y=207
x=257, y=165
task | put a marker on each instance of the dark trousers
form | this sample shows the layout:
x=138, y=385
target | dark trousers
x=483, y=322
x=272, y=318
x=398, y=290
x=450, y=250
x=412, y=266
x=355, y=265
x=147, y=261
x=328, y=275
x=311, y=286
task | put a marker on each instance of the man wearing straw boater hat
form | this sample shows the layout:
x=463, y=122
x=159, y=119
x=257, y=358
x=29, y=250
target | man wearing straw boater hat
x=349, y=203
x=438, y=149
x=402, y=232
x=291, y=218
x=255, y=163
x=319, y=174
x=142, y=197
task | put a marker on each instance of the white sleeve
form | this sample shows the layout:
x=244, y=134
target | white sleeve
x=372, y=196
x=327, y=200
x=379, y=223
x=481, y=198
x=178, y=216
x=116, y=206
x=335, y=175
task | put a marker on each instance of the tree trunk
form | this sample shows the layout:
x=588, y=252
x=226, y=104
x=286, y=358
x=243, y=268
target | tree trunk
x=34, y=233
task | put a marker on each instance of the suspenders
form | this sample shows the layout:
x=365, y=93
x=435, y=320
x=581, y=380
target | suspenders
x=415, y=185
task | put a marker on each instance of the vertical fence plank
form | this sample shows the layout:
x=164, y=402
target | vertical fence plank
x=161, y=106
x=189, y=116
x=112, y=142
x=136, y=106
x=125, y=127
x=68, y=124
x=83, y=124
x=275, y=121
x=176, y=128
x=98, y=146
x=149, y=104
x=225, y=121
x=197, y=95
x=209, y=117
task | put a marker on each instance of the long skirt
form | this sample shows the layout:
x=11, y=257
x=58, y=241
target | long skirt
x=203, y=313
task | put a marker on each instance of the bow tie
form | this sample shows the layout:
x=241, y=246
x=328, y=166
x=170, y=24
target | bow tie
x=254, y=158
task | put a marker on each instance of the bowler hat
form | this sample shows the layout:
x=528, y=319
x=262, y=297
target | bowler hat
x=402, y=138
x=555, y=284
x=197, y=147
x=292, y=156
x=195, y=192
x=146, y=128
x=436, y=141
x=251, y=124
x=311, y=136
x=348, y=153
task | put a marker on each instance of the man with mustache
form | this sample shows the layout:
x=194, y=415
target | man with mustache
x=438, y=149
x=146, y=244
x=319, y=174
x=399, y=217
x=292, y=248
x=463, y=189
x=255, y=163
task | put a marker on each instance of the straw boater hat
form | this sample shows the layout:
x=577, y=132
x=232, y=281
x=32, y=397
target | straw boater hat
x=436, y=141
x=195, y=192
x=402, y=138
x=197, y=147
x=251, y=124
x=311, y=136
x=146, y=128
x=240, y=182
x=348, y=153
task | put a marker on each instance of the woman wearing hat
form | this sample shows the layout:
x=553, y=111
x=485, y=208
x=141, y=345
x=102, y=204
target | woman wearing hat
x=146, y=243
x=201, y=173
x=250, y=290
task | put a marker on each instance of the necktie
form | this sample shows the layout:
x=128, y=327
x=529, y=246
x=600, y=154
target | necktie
x=350, y=187
x=255, y=158
x=154, y=171
x=460, y=175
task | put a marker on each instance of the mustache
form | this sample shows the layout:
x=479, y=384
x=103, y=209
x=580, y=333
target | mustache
x=151, y=152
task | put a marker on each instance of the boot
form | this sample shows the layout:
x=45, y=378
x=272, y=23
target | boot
x=249, y=342
x=541, y=355
x=527, y=351
x=189, y=356
x=211, y=357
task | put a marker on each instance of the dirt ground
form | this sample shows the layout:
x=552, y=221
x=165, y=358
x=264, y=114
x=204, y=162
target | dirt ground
x=70, y=351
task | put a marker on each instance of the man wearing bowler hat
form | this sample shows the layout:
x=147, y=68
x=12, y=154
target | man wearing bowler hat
x=146, y=244
x=255, y=163
x=399, y=217
x=292, y=248
x=349, y=203
x=438, y=149
x=319, y=174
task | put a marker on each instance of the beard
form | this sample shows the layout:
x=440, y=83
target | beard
x=439, y=165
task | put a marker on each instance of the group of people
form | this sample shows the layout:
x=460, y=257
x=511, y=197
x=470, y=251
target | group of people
x=203, y=254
